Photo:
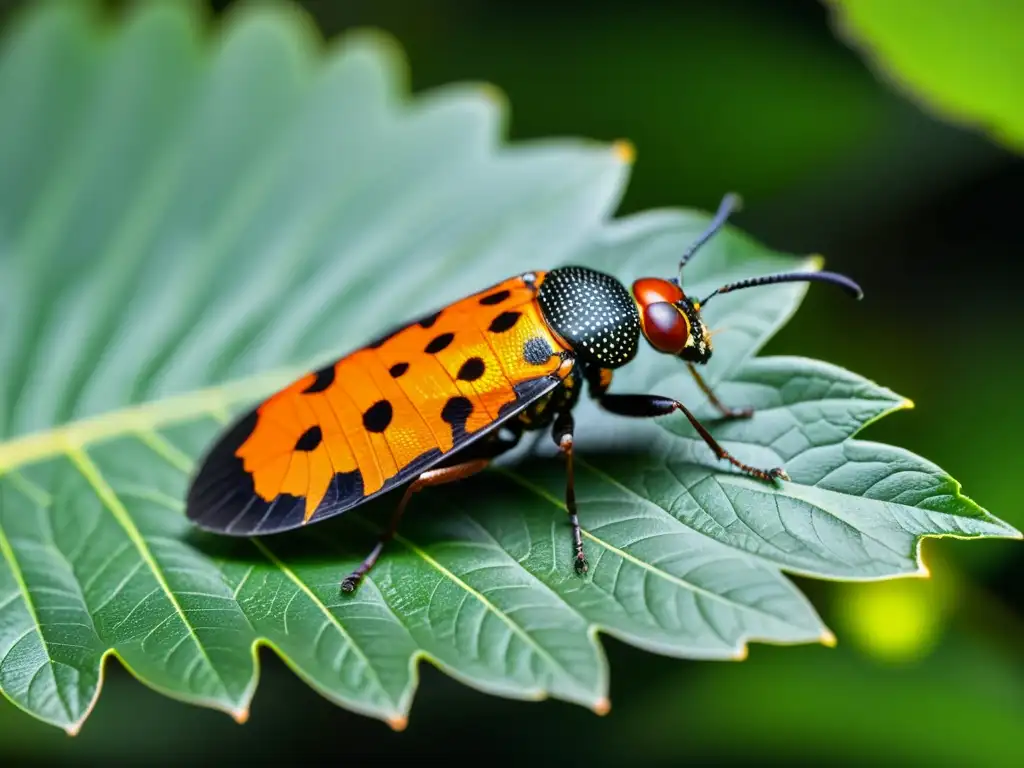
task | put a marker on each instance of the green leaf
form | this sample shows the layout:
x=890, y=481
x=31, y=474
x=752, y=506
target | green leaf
x=962, y=58
x=845, y=717
x=187, y=223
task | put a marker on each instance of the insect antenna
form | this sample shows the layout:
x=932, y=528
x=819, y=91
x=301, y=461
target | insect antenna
x=729, y=205
x=793, y=277
x=715, y=331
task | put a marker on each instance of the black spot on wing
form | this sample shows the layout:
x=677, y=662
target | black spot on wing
x=439, y=343
x=504, y=322
x=380, y=341
x=398, y=369
x=429, y=320
x=378, y=416
x=497, y=297
x=472, y=369
x=426, y=321
x=310, y=440
x=324, y=379
x=456, y=412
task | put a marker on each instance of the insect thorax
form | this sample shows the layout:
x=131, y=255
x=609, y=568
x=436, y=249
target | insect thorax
x=593, y=312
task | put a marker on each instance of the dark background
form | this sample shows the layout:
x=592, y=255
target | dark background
x=763, y=99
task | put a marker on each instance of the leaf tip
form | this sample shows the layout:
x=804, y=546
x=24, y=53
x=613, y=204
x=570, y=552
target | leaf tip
x=241, y=716
x=817, y=260
x=72, y=729
x=398, y=723
x=602, y=706
x=741, y=653
x=624, y=151
x=907, y=404
x=828, y=639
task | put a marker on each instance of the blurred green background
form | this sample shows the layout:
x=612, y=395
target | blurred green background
x=763, y=99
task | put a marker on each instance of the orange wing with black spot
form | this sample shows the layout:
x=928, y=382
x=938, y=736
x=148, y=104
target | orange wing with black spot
x=381, y=415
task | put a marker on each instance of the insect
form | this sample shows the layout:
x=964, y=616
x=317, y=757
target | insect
x=438, y=399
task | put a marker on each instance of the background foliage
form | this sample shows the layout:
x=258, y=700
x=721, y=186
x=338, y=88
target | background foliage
x=872, y=182
x=959, y=58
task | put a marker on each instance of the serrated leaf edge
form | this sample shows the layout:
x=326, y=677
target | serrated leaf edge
x=903, y=403
x=742, y=645
x=7, y=552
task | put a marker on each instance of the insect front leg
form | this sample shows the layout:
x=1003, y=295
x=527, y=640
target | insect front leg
x=726, y=411
x=469, y=461
x=649, y=406
x=562, y=434
x=427, y=479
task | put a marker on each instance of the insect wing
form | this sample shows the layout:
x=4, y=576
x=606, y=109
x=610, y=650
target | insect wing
x=381, y=415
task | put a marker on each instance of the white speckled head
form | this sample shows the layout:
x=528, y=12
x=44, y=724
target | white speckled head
x=593, y=312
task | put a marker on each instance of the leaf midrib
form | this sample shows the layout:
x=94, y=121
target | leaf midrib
x=144, y=418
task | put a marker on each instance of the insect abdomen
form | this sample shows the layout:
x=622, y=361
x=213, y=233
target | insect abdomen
x=593, y=312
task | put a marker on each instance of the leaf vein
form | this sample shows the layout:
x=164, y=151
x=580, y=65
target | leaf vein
x=327, y=613
x=516, y=629
x=638, y=562
x=19, y=578
x=106, y=493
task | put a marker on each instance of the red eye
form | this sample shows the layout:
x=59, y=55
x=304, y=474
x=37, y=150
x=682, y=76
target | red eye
x=651, y=289
x=665, y=327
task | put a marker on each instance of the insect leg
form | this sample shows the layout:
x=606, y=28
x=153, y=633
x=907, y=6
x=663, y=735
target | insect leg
x=427, y=479
x=647, y=406
x=561, y=432
x=726, y=411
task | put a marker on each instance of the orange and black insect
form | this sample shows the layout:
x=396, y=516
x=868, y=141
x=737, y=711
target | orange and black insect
x=439, y=398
